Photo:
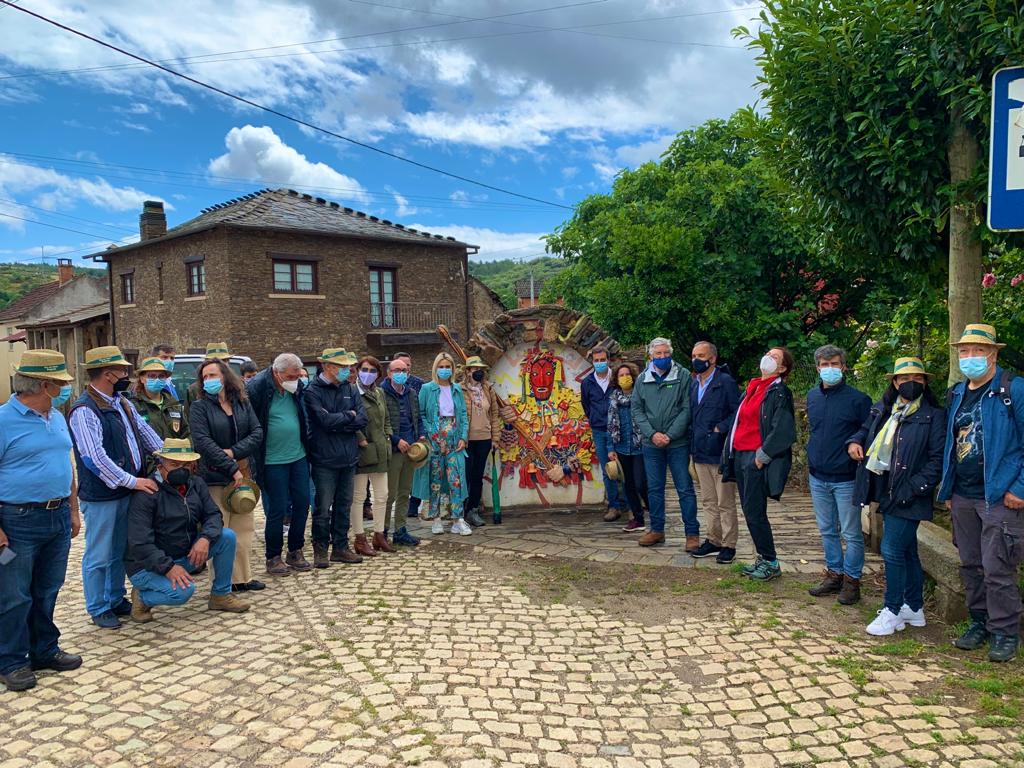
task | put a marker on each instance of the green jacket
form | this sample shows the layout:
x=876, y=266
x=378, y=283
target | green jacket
x=373, y=458
x=169, y=418
x=663, y=406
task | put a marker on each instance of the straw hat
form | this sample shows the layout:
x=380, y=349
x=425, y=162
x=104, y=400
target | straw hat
x=337, y=356
x=43, y=364
x=614, y=470
x=907, y=365
x=475, y=362
x=418, y=453
x=177, y=449
x=243, y=499
x=217, y=350
x=979, y=333
x=152, y=364
x=101, y=357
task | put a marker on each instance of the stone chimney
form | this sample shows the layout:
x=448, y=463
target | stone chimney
x=65, y=272
x=152, y=221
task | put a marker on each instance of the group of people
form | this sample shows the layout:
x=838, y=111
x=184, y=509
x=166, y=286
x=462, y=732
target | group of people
x=168, y=481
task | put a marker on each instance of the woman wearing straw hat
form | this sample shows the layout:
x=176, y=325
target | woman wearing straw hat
x=226, y=433
x=155, y=403
x=484, y=432
x=900, y=453
x=442, y=481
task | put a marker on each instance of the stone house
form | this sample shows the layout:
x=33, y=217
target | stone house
x=486, y=304
x=278, y=270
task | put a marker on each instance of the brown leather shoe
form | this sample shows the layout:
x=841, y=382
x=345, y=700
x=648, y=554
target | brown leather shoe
x=362, y=546
x=692, y=544
x=141, y=612
x=831, y=582
x=850, y=592
x=229, y=603
x=344, y=556
x=320, y=559
x=612, y=515
x=276, y=567
x=297, y=561
x=651, y=538
x=380, y=543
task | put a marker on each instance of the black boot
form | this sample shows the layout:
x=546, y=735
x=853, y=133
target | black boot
x=1002, y=647
x=976, y=635
x=831, y=583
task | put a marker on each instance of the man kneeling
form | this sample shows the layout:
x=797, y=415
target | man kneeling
x=178, y=527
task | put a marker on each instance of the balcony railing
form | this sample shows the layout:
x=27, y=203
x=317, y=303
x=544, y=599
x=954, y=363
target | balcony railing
x=411, y=316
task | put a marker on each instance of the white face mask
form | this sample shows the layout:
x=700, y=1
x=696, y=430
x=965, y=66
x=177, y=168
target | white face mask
x=290, y=386
x=769, y=364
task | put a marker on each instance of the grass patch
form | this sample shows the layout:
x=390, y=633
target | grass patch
x=798, y=634
x=771, y=622
x=905, y=648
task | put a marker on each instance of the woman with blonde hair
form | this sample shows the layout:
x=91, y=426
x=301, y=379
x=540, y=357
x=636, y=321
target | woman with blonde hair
x=441, y=482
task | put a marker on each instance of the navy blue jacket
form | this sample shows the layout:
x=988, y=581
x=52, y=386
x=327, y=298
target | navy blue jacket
x=716, y=409
x=332, y=425
x=835, y=415
x=595, y=402
x=115, y=443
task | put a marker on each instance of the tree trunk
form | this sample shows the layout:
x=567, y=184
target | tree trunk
x=965, y=270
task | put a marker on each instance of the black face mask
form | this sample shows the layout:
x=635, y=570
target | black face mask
x=478, y=375
x=179, y=476
x=699, y=366
x=910, y=390
x=122, y=384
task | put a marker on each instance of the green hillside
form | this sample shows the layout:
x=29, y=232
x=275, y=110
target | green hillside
x=18, y=279
x=500, y=276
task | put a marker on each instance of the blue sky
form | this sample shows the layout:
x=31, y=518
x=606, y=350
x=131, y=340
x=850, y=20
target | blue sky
x=545, y=98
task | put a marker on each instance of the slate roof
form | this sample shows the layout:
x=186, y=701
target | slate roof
x=74, y=316
x=19, y=307
x=523, y=287
x=286, y=209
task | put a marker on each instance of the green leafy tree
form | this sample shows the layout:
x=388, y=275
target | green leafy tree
x=501, y=275
x=879, y=112
x=706, y=244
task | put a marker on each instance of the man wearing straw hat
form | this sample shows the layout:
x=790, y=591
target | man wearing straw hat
x=38, y=518
x=112, y=442
x=174, y=530
x=983, y=485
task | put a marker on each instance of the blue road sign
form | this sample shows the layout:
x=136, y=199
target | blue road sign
x=1006, y=158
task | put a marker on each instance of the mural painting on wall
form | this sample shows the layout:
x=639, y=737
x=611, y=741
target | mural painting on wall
x=538, y=358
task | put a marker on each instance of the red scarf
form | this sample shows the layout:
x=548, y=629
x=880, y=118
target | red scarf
x=747, y=435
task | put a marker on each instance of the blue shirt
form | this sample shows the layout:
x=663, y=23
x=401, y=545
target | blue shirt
x=702, y=386
x=35, y=454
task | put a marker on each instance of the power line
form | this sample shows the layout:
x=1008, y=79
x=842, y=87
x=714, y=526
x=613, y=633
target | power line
x=283, y=115
x=532, y=29
x=54, y=226
x=65, y=215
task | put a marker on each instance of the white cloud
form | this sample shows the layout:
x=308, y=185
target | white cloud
x=402, y=207
x=256, y=153
x=634, y=155
x=52, y=190
x=493, y=243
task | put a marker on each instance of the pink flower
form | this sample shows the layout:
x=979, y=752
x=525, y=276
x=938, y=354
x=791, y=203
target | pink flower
x=988, y=280
x=1017, y=280
x=871, y=344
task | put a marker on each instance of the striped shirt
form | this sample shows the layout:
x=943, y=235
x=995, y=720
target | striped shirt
x=88, y=432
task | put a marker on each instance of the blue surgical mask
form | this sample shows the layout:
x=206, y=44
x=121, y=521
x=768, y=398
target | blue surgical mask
x=400, y=377
x=601, y=367
x=343, y=372
x=168, y=364
x=213, y=386
x=63, y=397
x=973, y=367
x=444, y=373
x=155, y=385
x=830, y=376
x=662, y=363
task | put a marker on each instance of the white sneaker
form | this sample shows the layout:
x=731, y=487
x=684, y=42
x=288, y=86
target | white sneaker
x=886, y=623
x=437, y=527
x=913, y=618
x=461, y=527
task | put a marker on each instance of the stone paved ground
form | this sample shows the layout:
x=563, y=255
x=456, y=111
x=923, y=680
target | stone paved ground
x=582, y=534
x=446, y=657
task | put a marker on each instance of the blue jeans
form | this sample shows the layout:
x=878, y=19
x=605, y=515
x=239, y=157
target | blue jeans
x=839, y=521
x=602, y=442
x=334, y=491
x=29, y=584
x=156, y=589
x=658, y=462
x=904, y=577
x=106, y=536
x=286, y=486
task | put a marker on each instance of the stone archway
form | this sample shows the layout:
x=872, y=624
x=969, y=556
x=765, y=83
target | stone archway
x=538, y=357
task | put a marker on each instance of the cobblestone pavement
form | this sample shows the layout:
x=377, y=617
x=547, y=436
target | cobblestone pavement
x=583, y=534
x=438, y=657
